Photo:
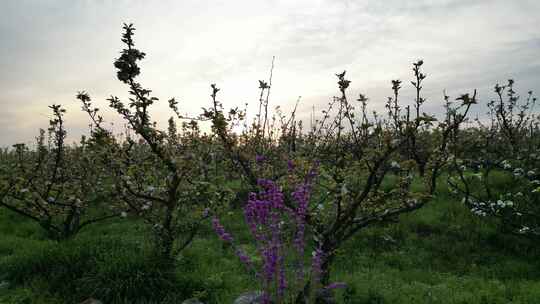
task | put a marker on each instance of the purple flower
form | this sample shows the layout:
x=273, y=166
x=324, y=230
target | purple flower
x=272, y=223
x=259, y=159
x=266, y=298
x=290, y=165
x=270, y=258
x=301, y=196
x=244, y=258
x=282, y=280
x=220, y=230
x=336, y=285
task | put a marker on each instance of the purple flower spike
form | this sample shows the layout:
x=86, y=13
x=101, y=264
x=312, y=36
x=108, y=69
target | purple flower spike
x=244, y=258
x=220, y=230
x=279, y=230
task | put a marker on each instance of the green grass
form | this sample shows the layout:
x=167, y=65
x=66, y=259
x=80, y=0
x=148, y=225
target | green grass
x=439, y=254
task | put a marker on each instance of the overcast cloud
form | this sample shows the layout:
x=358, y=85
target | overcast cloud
x=49, y=50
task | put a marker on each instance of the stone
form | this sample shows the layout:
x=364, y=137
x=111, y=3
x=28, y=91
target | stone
x=4, y=284
x=251, y=297
x=326, y=296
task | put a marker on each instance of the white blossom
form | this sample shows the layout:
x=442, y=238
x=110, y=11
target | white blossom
x=524, y=229
x=344, y=190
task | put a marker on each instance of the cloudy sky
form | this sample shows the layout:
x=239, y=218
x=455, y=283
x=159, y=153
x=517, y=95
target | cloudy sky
x=50, y=49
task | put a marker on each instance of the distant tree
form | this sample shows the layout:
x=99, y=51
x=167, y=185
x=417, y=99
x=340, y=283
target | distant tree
x=357, y=153
x=164, y=178
x=57, y=186
x=496, y=168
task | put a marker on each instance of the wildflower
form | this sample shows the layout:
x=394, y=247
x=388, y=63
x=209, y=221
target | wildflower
x=244, y=258
x=301, y=195
x=123, y=214
x=269, y=219
x=220, y=230
x=259, y=159
x=290, y=165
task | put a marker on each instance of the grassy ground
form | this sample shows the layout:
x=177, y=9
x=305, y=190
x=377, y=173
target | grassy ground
x=439, y=254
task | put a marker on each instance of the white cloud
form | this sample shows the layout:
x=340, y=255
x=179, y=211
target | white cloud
x=52, y=49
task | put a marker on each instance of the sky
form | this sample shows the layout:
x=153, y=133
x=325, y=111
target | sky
x=50, y=49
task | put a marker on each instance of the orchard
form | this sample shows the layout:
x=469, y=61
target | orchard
x=225, y=206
